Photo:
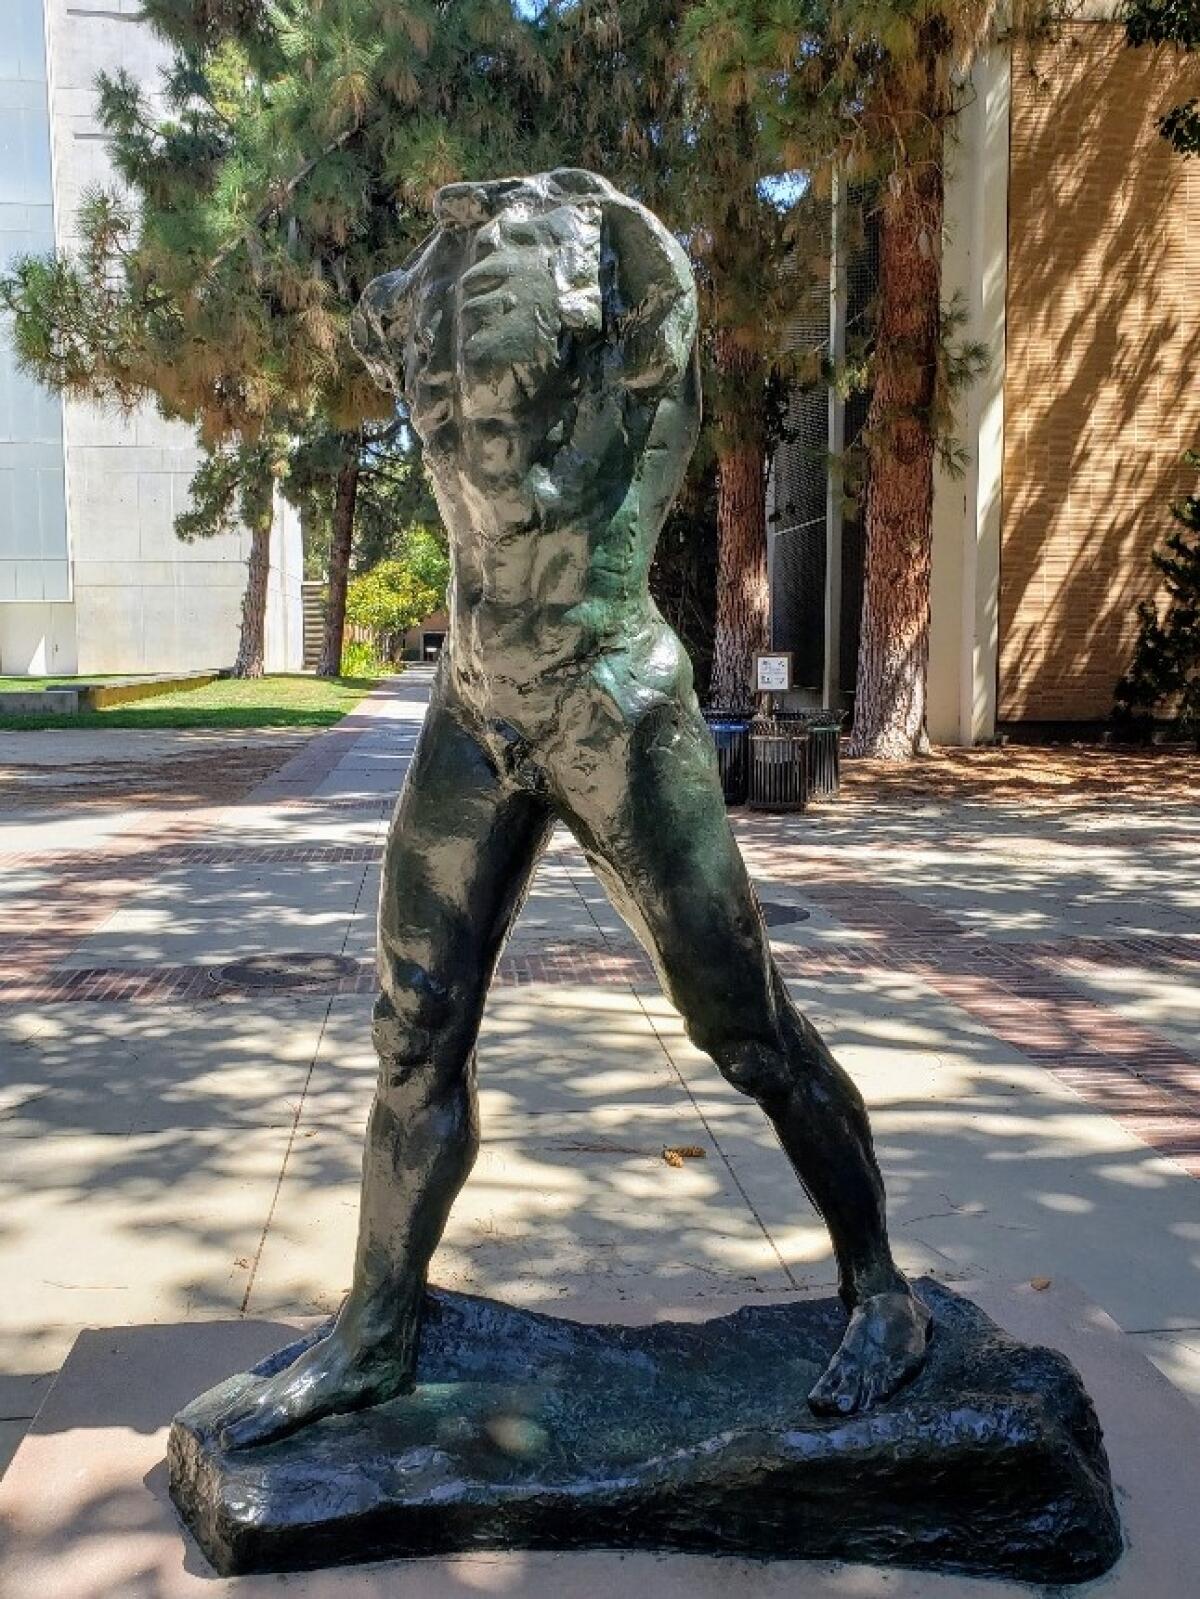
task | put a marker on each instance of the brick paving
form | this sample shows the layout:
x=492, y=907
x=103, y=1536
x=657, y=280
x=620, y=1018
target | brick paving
x=1002, y=952
x=1025, y=993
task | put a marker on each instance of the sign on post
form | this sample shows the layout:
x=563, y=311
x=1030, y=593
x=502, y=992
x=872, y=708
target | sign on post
x=773, y=672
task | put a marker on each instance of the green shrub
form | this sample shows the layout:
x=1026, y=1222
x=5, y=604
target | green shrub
x=361, y=660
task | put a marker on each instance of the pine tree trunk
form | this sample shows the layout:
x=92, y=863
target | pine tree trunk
x=251, y=653
x=893, y=657
x=743, y=594
x=344, y=502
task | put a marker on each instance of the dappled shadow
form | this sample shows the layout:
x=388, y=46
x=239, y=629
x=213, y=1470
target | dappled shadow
x=158, y=1189
x=1034, y=774
x=993, y=1171
x=995, y=845
x=1102, y=349
x=176, y=1163
x=176, y=780
x=1111, y=774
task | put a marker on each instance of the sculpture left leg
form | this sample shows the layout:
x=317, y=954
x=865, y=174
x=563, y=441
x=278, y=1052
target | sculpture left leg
x=661, y=843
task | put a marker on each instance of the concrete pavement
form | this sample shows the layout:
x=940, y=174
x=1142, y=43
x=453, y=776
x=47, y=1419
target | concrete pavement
x=1015, y=987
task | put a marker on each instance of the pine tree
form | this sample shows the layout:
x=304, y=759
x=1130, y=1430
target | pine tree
x=657, y=107
x=870, y=89
x=897, y=77
x=296, y=159
x=233, y=486
x=1165, y=670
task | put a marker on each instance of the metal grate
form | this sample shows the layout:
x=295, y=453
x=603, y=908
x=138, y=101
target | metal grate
x=862, y=285
x=777, y=914
x=291, y=970
x=798, y=560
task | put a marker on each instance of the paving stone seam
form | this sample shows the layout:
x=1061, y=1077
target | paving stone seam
x=1143, y=1080
x=576, y=863
x=1027, y=994
x=46, y=927
x=965, y=975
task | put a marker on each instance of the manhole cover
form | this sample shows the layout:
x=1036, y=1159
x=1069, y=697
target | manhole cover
x=776, y=914
x=288, y=971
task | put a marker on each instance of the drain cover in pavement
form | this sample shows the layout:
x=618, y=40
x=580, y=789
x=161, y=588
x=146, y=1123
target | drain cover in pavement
x=288, y=971
x=776, y=914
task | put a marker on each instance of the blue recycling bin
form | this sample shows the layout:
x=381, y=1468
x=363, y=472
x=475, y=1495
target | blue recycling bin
x=731, y=735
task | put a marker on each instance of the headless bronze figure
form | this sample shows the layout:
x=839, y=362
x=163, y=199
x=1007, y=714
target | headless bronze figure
x=544, y=338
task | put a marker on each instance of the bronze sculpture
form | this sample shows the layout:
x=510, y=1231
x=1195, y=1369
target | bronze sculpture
x=546, y=336
x=545, y=340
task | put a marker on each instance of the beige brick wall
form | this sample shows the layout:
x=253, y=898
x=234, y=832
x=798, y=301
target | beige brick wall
x=1102, y=383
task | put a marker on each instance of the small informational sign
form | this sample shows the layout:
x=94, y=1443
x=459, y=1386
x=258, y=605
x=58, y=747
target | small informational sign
x=773, y=672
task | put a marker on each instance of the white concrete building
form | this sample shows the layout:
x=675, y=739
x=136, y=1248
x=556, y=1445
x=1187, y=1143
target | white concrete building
x=92, y=577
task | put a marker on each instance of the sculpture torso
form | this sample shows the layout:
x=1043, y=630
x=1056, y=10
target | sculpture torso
x=553, y=472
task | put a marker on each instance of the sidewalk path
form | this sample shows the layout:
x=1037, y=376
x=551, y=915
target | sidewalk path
x=1015, y=988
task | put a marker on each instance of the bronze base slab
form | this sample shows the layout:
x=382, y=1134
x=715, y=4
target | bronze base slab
x=529, y=1431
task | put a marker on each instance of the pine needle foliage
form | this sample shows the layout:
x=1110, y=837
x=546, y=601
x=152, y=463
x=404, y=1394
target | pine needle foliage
x=1164, y=675
x=867, y=93
x=1170, y=22
x=288, y=156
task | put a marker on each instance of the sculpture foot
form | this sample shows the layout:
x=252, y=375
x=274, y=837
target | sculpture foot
x=340, y=1372
x=883, y=1347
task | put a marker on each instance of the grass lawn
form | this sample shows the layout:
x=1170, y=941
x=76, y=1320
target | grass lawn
x=277, y=701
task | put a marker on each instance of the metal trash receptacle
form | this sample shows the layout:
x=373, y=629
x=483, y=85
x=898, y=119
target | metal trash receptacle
x=824, y=749
x=778, y=764
x=731, y=734
x=824, y=754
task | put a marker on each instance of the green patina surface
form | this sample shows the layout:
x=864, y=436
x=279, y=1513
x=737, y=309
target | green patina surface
x=544, y=342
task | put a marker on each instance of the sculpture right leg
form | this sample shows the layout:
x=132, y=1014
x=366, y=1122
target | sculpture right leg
x=459, y=858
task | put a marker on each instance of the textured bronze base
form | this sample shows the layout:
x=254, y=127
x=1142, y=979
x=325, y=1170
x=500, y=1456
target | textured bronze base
x=530, y=1431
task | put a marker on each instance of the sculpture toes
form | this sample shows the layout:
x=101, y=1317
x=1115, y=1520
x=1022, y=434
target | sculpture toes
x=259, y=1425
x=258, y=1417
x=837, y=1393
x=876, y=1386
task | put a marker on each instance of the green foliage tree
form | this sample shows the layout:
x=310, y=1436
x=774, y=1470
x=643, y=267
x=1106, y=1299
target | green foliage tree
x=393, y=494
x=423, y=553
x=662, y=115
x=869, y=91
x=295, y=159
x=234, y=486
x=397, y=593
x=1177, y=22
x=1165, y=670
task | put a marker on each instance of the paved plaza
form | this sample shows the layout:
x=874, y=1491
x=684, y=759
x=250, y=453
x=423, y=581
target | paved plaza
x=1004, y=952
